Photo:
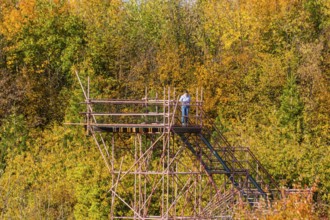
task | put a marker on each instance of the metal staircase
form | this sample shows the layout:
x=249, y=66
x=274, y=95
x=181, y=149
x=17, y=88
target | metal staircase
x=241, y=167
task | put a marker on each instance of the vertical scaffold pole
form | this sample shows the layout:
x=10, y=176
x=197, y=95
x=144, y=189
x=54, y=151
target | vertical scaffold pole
x=156, y=107
x=112, y=175
x=141, y=198
x=173, y=108
x=169, y=108
x=201, y=106
x=168, y=151
x=163, y=179
x=88, y=108
x=135, y=206
x=146, y=105
x=197, y=106
x=164, y=108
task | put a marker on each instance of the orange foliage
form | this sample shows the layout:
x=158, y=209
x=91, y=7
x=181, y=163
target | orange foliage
x=15, y=16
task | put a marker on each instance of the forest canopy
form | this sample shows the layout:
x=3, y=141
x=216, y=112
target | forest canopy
x=264, y=66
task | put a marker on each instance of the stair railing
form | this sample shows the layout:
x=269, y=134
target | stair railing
x=231, y=150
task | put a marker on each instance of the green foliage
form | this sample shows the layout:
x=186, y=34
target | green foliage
x=40, y=55
x=14, y=135
x=291, y=107
x=58, y=176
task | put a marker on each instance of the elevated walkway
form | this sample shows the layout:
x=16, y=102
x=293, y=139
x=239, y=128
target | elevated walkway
x=145, y=128
x=141, y=116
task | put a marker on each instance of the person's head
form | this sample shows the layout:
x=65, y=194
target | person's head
x=186, y=91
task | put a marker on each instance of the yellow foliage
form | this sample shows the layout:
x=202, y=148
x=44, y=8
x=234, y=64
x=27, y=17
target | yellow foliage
x=15, y=16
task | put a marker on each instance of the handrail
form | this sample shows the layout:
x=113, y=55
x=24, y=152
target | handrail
x=122, y=114
x=130, y=110
x=232, y=150
x=262, y=168
x=128, y=101
x=173, y=114
x=219, y=133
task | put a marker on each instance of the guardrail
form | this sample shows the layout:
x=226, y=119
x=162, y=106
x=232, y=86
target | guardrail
x=140, y=113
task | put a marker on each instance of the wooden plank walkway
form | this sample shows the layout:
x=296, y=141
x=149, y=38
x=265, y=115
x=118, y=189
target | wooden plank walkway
x=144, y=128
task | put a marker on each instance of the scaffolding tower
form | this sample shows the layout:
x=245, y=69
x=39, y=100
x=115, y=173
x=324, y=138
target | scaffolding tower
x=160, y=169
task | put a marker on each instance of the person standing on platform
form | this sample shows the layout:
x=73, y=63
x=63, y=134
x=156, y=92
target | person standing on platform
x=185, y=104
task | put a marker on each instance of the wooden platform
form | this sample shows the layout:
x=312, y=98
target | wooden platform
x=187, y=129
x=144, y=128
